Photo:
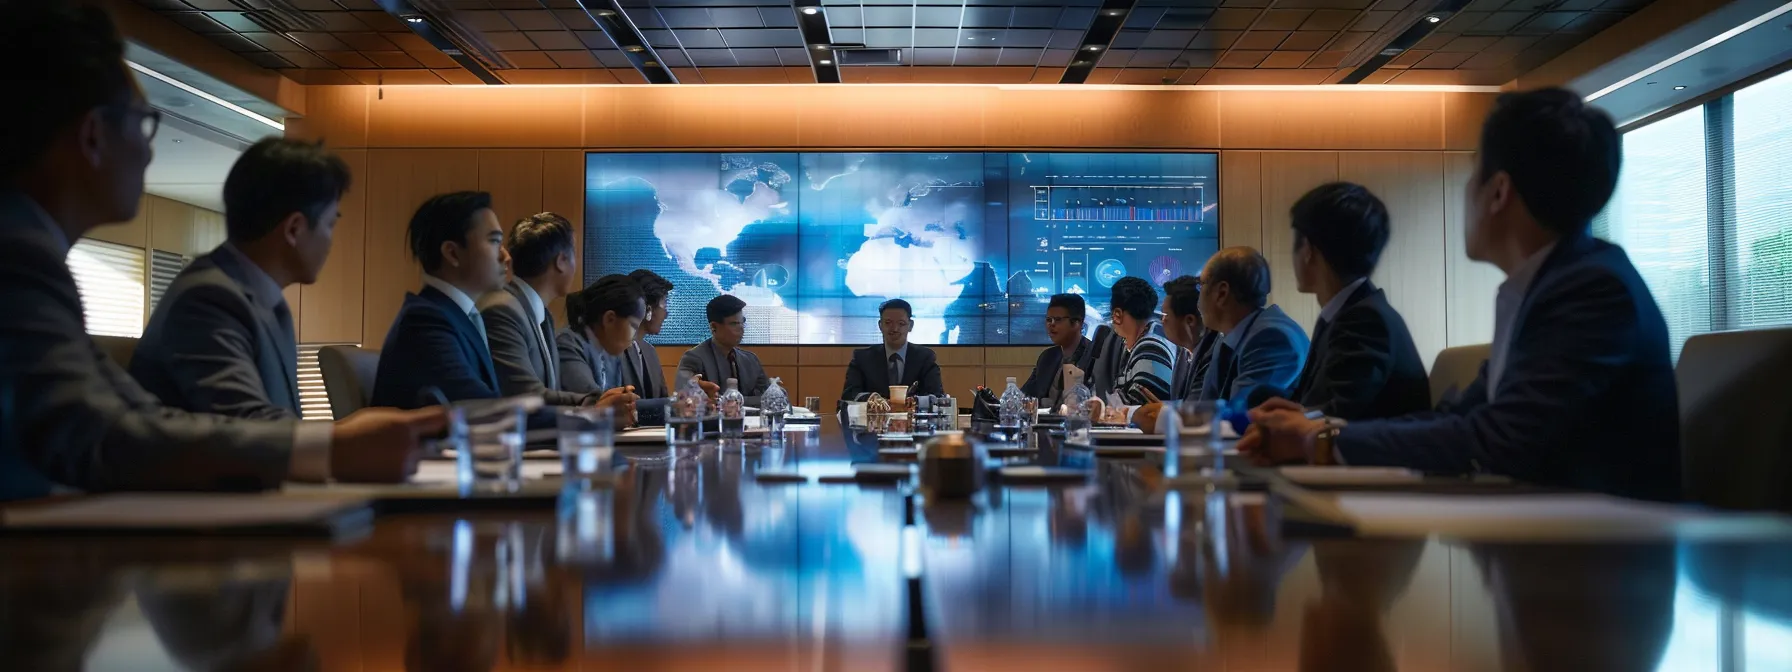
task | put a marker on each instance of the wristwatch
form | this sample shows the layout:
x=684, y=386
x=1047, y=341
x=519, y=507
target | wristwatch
x=1324, y=443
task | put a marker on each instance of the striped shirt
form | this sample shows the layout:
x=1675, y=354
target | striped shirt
x=1150, y=365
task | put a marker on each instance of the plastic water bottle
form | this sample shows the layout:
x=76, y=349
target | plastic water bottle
x=684, y=416
x=1013, y=406
x=734, y=411
x=1077, y=421
x=773, y=406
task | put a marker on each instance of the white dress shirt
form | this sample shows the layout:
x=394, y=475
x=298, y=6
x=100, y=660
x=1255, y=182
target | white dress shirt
x=460, y=298
x=1331, y=308
x=1505, y=310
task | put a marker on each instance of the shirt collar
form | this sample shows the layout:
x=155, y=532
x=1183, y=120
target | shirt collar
x=538, y=309
x=1519, y=281
x=1234, y=338
x=902, y=351
x=460, y=298
x=1337, y=303
x=262, y=288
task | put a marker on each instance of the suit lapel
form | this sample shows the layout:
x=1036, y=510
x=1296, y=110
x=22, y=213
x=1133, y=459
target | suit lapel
x=482, y=353
x=285, y=342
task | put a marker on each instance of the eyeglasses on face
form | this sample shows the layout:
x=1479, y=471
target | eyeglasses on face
x=1051, y=320
x=148, y=119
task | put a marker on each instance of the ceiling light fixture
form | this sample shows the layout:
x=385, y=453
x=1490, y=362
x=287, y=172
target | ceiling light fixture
x=818, y=46
x=414, y=19
x=811, y=11
x=634, y=49
x=233, y=107
x=1113, y=12
x=1692, y=51
x=1433, y=18
x=1092, y=47
x=825, y=62
x=1680, y=88
x=606, y=13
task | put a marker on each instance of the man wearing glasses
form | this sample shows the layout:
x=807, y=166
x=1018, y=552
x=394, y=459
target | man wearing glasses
x=720, y=357
x=1064, y=324
x=897, y=362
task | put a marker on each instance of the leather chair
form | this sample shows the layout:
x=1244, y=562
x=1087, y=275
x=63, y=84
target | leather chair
x=1736, y=419
x=348, y=377
x=119, y=348
x=1456, y=367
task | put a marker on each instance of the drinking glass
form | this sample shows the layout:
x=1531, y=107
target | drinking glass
x=1189, y=423
x=587, y=440
x=488, y=437
x=813, y=404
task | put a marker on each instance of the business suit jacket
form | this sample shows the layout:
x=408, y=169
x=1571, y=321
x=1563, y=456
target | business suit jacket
x=870, y=372
x=580, y=360
x=1267, y=361
x=214, y=346
x=1192, y=366
x=1363, y=364
x=71, y=416
x=515, y=335
x=647, y=377
x=433, y=344
x=707, y=359
x=1047, y=379
x=1587, y=399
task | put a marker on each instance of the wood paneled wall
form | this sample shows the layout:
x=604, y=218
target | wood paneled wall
x=172, y=226
x=526, y=145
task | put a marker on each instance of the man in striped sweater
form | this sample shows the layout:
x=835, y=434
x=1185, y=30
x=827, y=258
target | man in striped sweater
x=1150, y=360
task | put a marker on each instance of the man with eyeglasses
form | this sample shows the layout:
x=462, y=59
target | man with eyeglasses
x=1064, y=318
x=73, y=160
x=720, y=357
x=896, y=362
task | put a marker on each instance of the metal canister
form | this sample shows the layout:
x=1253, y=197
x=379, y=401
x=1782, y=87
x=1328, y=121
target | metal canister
x=952, y=466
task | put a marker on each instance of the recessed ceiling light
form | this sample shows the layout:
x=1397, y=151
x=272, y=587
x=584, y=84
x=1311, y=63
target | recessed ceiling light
x=177, y=140
x=825, y=62
x=634, y=49
x=811, y=10
x=606, y=12
x=1680, y=88
x=1113, y=12
x=1433, y=18
x=414, y=19
x=1092, y=47
x=818, y=46
x=1079, y=63
x=651, y=64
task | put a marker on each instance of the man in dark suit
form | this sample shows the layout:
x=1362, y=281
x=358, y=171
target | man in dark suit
x=641, y=362
x=1064, y=324
x=1184, y=329
x=720, y=356
x=69, y=416
x=438, y=340
x=1579, y=390
x=518, y=328
x=1262, y=349
x=222, y=340
x=896, y=362
x=1362, y=363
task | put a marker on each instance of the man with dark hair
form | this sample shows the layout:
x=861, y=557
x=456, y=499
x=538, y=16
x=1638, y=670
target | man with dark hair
x=439, y=339
x=1363, y=363
x=897, y=362
x=1064, y=319
x=1579, y=390
x=1149, y=362
x=720, y=356
x=1262, y=349
x=518, y=327
x=71, y=161
x=222, y=340
x=1183, y=327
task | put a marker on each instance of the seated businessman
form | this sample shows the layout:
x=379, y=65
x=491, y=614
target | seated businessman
x=438, y=341
x=518, y=327
x=70, y=417
x=1194, y=343
x=1262, y=350
x=1579, y=389
x=1149, y=362
x=1362, y=363
x=1064, y=318
x=720, y=357
x=896, y=362
x=221, y=340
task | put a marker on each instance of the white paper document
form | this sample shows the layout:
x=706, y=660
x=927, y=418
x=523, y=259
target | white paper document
x=1548, y=516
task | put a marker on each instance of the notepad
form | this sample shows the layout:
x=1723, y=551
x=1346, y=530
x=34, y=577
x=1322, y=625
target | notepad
x=1528, y=517
x=188, y=513
x=1346, y=475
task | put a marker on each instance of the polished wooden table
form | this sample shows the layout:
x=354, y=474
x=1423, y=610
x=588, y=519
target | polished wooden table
x=690, y=562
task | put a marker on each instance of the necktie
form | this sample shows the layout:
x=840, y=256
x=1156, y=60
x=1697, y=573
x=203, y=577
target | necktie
x=289, y=355
x=733, y=367
x=895, y=369
x=478, y=325
x=548, y=360
x=641, y=376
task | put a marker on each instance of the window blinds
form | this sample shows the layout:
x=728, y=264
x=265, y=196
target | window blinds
x=110, y=279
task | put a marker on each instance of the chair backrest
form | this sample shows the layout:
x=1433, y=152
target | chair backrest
x=1736, y=418
x=119, y=348
x=1456, y=367
x=348, y=377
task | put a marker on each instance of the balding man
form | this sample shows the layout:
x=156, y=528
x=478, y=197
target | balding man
x=1263, y=349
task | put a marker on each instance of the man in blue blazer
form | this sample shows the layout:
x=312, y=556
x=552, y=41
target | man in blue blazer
x=221, y=340
x=896, y=361
x=1579, y=389
x=1262, y=350
x=438, y=339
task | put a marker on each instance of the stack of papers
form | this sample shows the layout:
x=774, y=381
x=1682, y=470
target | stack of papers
x=1534, y=517
x=183, y=513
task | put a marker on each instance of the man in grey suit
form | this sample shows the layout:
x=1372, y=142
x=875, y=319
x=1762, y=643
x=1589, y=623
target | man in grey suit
x=720, y=357
x=222, y=340
x=518, y=327
x=69, y=416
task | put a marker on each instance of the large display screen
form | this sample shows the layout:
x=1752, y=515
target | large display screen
x=976, y=241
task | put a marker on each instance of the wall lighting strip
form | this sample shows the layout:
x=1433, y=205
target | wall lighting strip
x=1693, y=51
x=233, y=107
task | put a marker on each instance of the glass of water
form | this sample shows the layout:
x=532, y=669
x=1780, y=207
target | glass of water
x=587, y=440
x=490, y=445
x=1190, y=424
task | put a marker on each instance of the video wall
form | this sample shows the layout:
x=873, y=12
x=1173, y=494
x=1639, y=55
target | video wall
x=976, y=241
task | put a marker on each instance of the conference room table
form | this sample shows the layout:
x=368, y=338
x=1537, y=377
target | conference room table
x=697, y=558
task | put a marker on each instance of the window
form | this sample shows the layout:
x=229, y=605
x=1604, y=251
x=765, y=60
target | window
x=1763, y=233
x=110, y=279
x=1658, y=215
x=163, y=267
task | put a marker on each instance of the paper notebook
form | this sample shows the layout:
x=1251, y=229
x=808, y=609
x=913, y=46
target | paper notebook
x=190, y=513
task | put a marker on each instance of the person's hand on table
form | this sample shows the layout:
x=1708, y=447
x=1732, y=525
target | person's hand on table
x=621, y=402
x=382, y=445
x=709, y=388
x=1280, y=433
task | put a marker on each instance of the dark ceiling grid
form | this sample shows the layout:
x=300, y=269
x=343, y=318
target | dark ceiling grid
x=1425, y=17
x=616, y=24
x=439, y=35
x=681, y=55
x=818, y=40
x=1097, y=39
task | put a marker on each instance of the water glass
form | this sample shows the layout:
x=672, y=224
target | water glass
x=587, y=440
x=1190, y=423
x=488, y=437
x=813, y=404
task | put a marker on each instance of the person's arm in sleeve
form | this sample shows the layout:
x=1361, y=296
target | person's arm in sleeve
x=1271, y=359
x=576, y=373
x=505, y=334
x=855, y=380
x=209, y=341
x=427, y=340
